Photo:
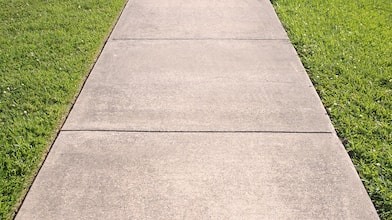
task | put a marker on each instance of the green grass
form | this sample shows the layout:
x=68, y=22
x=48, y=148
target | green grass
x=346, y=47
x=46, y=51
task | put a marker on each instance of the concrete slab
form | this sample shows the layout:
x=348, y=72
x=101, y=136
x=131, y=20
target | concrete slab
x=108, y=175
x=201, y=79
x=246, y=19
x=199, y=86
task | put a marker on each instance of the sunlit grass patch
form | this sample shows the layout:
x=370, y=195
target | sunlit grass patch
x=46, y=50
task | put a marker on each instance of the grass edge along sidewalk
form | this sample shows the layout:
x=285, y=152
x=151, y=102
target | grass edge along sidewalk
x=346, y=47
x=46, y=51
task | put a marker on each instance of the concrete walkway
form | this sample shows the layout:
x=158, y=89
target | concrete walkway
x=198, y=109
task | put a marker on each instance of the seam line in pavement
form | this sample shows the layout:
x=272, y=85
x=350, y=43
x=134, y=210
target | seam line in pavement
x=203, y=39
x=196, y=131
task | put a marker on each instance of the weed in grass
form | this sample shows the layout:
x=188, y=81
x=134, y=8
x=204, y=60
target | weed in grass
x=46, y=49
x=346, y=47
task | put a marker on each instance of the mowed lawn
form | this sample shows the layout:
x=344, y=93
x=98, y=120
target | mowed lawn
x=346, y=47
x=46, y=51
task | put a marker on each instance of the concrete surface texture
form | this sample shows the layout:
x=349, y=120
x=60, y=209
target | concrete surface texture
x=198, y=110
